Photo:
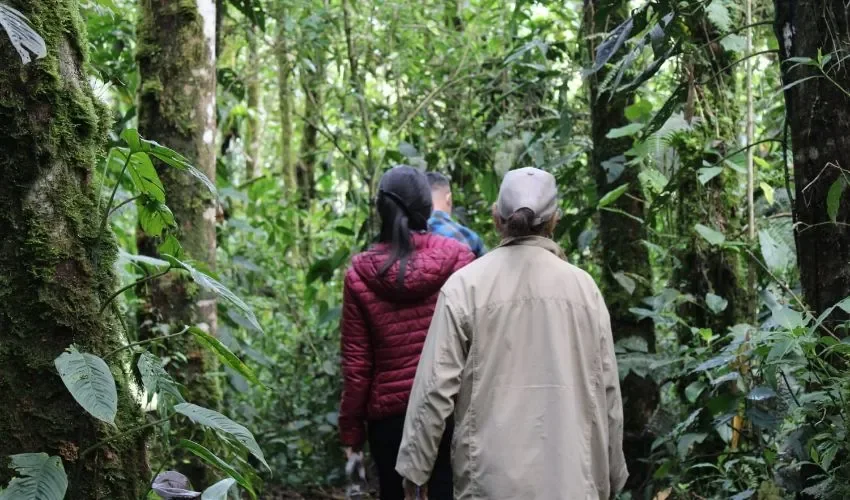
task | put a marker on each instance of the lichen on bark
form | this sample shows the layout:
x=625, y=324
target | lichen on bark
x=56, y=268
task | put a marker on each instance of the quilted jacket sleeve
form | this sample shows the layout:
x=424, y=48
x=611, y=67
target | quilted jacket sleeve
x=434, y=389
x=356, y=368
x=465, y=257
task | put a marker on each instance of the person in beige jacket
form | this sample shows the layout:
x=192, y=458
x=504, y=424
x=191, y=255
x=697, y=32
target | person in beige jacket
x=520, y=350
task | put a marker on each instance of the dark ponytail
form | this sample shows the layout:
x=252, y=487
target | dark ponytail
x=521, y=224
x=404, y=205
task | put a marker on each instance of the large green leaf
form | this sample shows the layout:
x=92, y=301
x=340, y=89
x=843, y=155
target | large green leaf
x=219, y=422
x=718, y=14
x=624, y=131
x=41, y=477
x=166, y=155
x=777, y=255
x=710, y=235
x=155, y=379
x=212, y=285
x=143, y=174
x=211, y=459
x=716, y=303
x=833, y=198
x=612, y=196
x=219, y=490
x=154, y=217
x=89, y=380
x=224, y=354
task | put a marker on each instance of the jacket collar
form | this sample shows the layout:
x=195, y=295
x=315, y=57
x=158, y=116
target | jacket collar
x=535, y=241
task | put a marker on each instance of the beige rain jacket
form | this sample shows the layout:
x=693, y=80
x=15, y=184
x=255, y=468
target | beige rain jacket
x=520, y=349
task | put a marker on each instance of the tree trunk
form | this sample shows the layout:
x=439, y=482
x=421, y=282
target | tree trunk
x=252, y=136
x=623, y=250
x=176, y=58
x=285, y=97
x=56, y=266
x=818, y=112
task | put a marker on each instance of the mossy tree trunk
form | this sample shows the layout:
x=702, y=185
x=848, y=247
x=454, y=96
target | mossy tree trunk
x=623, y=250
x=818, y=111
x=252, y=135
x=55, y=264
x=705, y=268
x=284, y=62
x=312, y=82
x=176, y=58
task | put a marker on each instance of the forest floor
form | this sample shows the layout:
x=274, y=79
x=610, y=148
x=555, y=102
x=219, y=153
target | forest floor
x=316, y=493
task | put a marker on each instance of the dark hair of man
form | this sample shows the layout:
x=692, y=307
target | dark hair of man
x=438, y=180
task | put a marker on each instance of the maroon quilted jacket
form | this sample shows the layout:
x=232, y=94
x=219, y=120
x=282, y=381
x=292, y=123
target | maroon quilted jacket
x=384, y=327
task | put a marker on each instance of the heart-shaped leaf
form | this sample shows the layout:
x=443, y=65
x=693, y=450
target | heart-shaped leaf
x=40, y=477
x=90, y=382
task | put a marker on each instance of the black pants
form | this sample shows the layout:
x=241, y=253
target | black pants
x=384, y=442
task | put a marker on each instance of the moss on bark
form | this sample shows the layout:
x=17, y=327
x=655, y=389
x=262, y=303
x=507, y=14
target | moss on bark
x=55, y=266
x=177, y=108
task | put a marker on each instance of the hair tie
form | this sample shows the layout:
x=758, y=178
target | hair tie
x=398, y=201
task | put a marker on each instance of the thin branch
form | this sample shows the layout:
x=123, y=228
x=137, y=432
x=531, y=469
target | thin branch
x=745, y=148
x=131, y=285
x=124, y=203
x=108, y=210
x=120, y=435
x=145, y=342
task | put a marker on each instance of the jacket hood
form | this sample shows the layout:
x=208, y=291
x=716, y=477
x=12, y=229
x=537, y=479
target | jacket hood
x=434, y=259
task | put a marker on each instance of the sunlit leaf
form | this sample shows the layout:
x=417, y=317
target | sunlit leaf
x=154, y=217
x=734, y=42
x=155, y=379
x=716, y=303
x=718, y=14
x=710, y=235
x=612, y=196
x=624, y=131
x=768, y=192
x=694, y=389
x=90, y=382
x=761, y=393
x=777, y=255
x=639, y=111
x=708, y=173
x=224, y=354
x=626, y=282
x=217, y=421
x=219, y=490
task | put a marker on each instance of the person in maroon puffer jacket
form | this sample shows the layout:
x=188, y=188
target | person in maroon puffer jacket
x=388, y=300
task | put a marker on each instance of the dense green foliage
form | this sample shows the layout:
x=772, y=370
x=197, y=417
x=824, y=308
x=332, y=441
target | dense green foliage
x=746, y=382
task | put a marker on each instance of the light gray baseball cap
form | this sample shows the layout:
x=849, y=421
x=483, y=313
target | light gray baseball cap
x=530, y=188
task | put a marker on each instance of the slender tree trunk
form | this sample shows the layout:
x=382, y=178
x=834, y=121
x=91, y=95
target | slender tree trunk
x=818, y=113
x=56, y=267
x=623, y=250
x=285, y=97
x=177, y=108
x=252, y=136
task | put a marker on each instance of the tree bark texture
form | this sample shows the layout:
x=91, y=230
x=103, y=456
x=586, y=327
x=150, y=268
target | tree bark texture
x=252, y=136
x=818, y=113
x=176, y=55
x=56, y=266
x=285, y=102
x=623, y=250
